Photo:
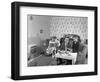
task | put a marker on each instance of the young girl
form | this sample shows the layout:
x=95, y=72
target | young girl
x=53, y=44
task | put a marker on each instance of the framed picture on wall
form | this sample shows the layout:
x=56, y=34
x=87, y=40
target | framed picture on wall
x=53, y=40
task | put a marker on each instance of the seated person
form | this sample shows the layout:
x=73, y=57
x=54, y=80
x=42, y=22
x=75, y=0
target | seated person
x=76, y=41
x=70, y=45
x=53, y=44
x=62, y=43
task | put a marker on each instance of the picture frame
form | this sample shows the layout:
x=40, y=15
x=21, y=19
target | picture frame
x=17, y=30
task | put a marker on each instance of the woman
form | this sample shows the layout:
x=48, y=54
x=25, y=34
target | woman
x=76, y=42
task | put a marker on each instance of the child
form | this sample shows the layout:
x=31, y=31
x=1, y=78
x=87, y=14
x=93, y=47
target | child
x=53, y=44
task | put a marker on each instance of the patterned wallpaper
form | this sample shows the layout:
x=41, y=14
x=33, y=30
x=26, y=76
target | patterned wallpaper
x=69, y=25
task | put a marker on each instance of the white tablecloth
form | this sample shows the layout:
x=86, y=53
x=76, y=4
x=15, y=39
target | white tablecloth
x=70, y=56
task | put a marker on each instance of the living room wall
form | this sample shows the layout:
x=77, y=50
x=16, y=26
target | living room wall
x=38, y=28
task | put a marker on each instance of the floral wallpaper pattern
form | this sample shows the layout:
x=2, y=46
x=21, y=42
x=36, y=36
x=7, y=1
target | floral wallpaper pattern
x=69, y=25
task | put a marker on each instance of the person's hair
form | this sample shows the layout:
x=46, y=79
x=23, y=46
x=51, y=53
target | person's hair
x=79, y=39
x=53, y=37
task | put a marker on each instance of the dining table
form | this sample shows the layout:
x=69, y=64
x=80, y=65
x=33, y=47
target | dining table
x=66, y=55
